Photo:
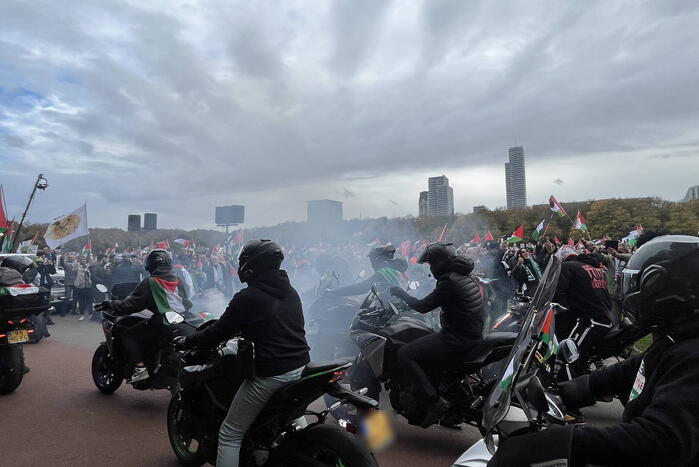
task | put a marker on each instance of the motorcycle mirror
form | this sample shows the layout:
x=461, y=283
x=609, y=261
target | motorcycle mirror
x=173, y=318
x=101, y=288
x=568, y=351
x=413, y=285
x=536, y=395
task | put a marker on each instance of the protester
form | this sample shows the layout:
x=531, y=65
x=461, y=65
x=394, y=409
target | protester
x=526, y=272
x=82, y=287
x=70, y=267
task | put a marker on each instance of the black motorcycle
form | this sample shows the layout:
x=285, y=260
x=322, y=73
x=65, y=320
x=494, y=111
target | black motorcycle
x=110, y=363
x=381, y=328
x=281, y=436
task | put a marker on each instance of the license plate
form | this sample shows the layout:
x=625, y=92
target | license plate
x=17, y=337
x=377, y=430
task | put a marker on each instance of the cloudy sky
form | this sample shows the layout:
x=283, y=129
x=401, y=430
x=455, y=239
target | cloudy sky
x=176, y=107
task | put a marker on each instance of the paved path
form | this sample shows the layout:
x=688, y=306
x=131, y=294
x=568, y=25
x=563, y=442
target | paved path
x=57, y=417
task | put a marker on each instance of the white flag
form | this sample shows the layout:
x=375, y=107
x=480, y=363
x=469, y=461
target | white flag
x=67, y=228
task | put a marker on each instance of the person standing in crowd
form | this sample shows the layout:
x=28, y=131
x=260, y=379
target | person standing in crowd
x=217, y=273
x=527, y=272
x=46, y=268
x=98, y=276
x=70, y=266
x=83, y=289
x=494, y=267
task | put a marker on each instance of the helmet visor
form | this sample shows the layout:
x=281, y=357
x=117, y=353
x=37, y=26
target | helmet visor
x=629, y=281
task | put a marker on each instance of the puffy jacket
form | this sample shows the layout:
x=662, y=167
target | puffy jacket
x=458, y=294
x=582, y=287
x=268, y=312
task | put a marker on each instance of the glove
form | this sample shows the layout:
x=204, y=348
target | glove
x=576, y=393
x=400, y=293
x=535, y=448
x=106, y=305
x=179, y=342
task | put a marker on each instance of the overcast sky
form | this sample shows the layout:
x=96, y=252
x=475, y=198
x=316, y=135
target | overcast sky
x=175, y=107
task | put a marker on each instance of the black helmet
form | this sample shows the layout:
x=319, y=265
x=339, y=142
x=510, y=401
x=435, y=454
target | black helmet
x=159, y=260
x=381, y=254
x=661, y=281
x=437, y=252
x=23, y=265
x=258, y=256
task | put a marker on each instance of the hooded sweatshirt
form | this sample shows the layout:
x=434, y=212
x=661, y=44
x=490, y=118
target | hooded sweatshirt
x=582, y=287
x=268, y=312
x=458, y=294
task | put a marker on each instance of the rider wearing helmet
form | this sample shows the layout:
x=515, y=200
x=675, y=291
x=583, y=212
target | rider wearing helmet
x=661, y=419
x=458, y=294
x=387, y=270
x=22, y=264
x=159, y=293
x=268, y=313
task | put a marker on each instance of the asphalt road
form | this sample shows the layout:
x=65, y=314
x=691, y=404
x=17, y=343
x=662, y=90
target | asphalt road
x=57, y=417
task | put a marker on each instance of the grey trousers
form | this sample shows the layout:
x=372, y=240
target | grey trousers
x=251, y=398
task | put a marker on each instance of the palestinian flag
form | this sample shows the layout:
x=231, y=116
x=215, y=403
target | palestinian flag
x=517, y=235
x=556, y=240
x=580, y=223
x=20, y=289
x=476, y=239
x=547, y=335
x=23, y=246
x=87, y=249
x=539, y=230
x=165, y=295
x=163, y=245
x=557, y=207
x=488, y=237
x=9, y=238
x=4, y=226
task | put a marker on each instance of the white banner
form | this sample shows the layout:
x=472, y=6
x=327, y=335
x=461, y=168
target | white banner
x=67, y=228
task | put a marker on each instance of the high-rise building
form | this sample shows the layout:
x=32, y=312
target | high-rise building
x=440, y=197
x=134, y=223
x=515, y=179
x=422, y=204
x=323, y=212
x=150, y=221
x=692, y=194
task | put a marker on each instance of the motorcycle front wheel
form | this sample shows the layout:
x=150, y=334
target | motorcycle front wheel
x=105, y=373
x=188, y=449
x=11, y=367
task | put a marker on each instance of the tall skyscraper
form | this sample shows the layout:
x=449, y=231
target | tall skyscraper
x=515, y=179
x=440, y=197
x=692, y=194
x=422, y=204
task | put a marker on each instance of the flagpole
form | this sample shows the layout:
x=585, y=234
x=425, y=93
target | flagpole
x=37, y=185
x=4, y=210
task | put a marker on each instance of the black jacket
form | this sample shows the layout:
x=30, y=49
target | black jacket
x=125, y=273
x=458, y=294
x=268, y=312
x=582, y=288
x=142, y=297
x=661, y=425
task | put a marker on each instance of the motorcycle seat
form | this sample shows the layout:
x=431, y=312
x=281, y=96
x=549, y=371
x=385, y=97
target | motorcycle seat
x=321, y=366
x=492, y=341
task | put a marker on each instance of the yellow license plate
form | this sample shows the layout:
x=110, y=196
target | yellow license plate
x=377, y=430
x=17, y=337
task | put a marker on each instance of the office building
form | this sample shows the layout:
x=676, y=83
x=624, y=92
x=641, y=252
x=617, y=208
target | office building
x=692, y=194
x=440, y=197
x=515, y=179
x=422, y=204
x=134, y=223
x=150, y=221
x=323, y=212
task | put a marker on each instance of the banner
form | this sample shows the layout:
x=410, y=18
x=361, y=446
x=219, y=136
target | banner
x=67, y=228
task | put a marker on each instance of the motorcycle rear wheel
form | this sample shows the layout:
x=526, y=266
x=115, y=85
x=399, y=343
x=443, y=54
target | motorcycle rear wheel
x=11, y=367
x=182, y=447
x=105, y=374
x=331, y=446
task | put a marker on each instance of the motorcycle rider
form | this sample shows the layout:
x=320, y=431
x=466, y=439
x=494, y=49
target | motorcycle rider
x=387, y=270
x=660, y=424
x=268, y=312
x=159, y=293
x=458, y=294
x=582, y=288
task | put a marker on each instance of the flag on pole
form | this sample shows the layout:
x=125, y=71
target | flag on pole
x=23, y=246
x=67, y=228
x=632, y=238
x=443, y=235
x=556, y=240
x=580, y=223
x=557, y=207
x=476, y=239
x=488, y=237
x=4, y=227
x=87, y=249
x=165, y=245
x=539, y=230
x=9, y=239
x=517, y=235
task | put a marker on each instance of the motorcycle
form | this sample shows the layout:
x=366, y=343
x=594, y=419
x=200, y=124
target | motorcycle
x=281, y=436
x=381, y=328
x=110, y=364
x=18, y=302
x=525, y=397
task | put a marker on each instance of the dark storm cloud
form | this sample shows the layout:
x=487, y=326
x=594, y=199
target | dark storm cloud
x=182, y=105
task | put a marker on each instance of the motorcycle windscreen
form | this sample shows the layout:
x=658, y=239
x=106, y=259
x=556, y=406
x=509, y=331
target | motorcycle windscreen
x=498, y=402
